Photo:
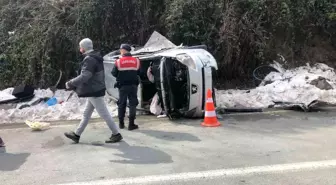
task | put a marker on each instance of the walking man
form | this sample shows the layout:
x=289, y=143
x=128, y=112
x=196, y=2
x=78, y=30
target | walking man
x=91, y=85
x=126, y=70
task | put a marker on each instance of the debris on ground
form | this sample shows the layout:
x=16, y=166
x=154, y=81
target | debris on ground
x=312, y=106
x=38, y=126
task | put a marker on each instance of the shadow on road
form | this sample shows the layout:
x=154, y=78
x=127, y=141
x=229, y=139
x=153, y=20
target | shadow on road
x=134, y=154
x=140, y=154
x=170, y=136
x=11, y=162
x=58, y=141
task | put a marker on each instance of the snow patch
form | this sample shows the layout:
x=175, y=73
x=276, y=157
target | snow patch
x=6, y=94
x=287, y=86
x=70, y=110
x=293, y=85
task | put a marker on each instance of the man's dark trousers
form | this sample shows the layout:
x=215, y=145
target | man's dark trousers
x=129, y=92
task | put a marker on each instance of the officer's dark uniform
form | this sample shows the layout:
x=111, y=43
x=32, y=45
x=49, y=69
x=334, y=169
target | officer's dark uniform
x=126, y=71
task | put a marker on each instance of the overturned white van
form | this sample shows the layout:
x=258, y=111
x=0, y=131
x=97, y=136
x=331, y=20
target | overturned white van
x=186, y=74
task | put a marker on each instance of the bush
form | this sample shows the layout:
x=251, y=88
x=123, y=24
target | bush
x=243, y=34
x=38, y=37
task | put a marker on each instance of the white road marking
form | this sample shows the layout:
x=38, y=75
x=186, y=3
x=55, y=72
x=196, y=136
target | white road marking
x=280, y=168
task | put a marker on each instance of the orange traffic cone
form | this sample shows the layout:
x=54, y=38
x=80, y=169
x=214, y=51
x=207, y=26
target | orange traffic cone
x=210, y=117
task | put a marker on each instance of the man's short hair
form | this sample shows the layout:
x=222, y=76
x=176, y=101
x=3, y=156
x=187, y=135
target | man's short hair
x=86, y=44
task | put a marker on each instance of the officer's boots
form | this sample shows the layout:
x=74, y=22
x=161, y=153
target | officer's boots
x=121, y=124
x=132, y=125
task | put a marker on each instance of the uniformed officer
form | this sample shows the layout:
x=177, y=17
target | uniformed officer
x=126, y=70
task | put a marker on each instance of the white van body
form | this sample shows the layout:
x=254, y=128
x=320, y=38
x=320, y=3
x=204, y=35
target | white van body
x=186, y=75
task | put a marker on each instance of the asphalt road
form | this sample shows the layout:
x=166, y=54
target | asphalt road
x=287, y=148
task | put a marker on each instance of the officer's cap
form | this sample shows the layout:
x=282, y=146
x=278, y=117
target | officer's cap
x=126, y=47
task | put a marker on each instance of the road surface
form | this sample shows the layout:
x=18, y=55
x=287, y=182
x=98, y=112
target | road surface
x=264, y=149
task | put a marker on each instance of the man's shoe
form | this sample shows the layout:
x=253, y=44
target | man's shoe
x=72, y=136
x=114, y=138
x=162, y=116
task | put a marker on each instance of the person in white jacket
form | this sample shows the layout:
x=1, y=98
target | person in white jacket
x=153, y=74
